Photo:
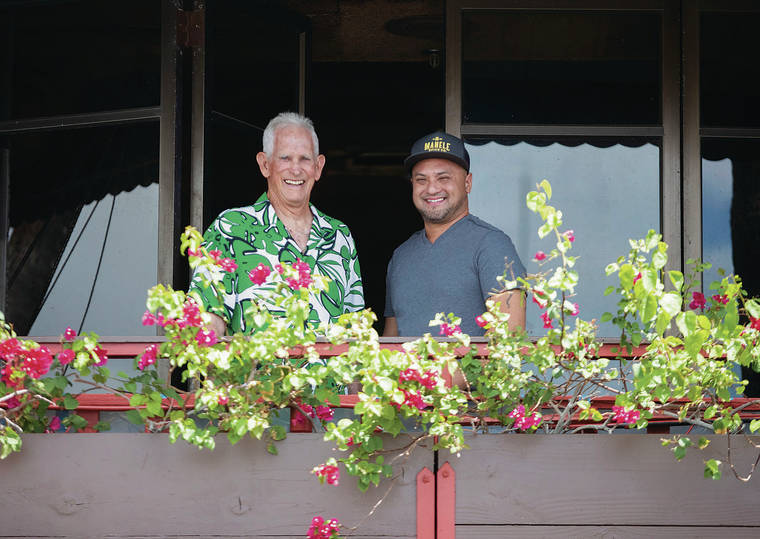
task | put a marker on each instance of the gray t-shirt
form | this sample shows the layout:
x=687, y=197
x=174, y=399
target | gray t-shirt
x=455, y=274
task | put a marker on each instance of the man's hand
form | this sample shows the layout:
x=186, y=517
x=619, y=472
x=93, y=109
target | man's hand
x=218, y=325
x=391, y=327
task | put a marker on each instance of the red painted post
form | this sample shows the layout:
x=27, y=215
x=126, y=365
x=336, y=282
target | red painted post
x=446, y=502
x=298, y=421
x=425, y=504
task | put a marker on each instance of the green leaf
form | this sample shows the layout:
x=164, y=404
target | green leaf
x=754, y=425
x=546, y=186
x=712, y=469
x=703, y=442
x=626, y=276
x=659, y=260
x=676, y=277
x=606, y=317
x=134, y=417
x=753, y=308
x=671, y=303
x=70, y=403
x=271, y=448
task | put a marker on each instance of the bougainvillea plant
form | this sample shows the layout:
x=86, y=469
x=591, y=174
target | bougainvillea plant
x=556, y=383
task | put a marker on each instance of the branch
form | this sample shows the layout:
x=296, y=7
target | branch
x=352, y=529
x=731, y=463
x=101, y=386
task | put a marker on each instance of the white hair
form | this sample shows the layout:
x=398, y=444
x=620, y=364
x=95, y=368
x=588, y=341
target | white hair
x=288, y=119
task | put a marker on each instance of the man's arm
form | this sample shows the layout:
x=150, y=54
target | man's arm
x=391, y=327
x=512, y=302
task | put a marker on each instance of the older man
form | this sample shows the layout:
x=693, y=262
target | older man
x=282, y=226
x=452, y=264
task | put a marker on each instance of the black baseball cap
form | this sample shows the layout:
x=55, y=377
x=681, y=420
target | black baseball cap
x=438, y=145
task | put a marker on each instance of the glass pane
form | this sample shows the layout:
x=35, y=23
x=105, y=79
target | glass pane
x=561, y=68
x=253, y=59
x=731, y=209
x=84, y=221
x=82, y=56
x=608, y=192
x=231, y=174
x=729, y=70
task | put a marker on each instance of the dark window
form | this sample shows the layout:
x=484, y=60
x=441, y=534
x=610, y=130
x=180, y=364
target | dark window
x=561, y=68
x=82, y=56
x=729, y=69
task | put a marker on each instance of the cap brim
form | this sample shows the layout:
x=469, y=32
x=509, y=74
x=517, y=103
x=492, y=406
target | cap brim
x=412, y=160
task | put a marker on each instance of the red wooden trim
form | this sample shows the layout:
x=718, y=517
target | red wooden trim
x=425, y=504
x=446, y=503
x=118, y=348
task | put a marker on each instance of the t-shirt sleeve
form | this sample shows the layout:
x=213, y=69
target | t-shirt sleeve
x=497, y=257
x=207, y=294
x=389, y=312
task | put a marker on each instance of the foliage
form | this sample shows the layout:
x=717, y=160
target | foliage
x=684, y=347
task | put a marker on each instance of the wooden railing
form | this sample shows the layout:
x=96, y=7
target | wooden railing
x=91, y=405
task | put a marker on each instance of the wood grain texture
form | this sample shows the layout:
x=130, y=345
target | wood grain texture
x=126, y=485
x=605, y=532
x=599, y=480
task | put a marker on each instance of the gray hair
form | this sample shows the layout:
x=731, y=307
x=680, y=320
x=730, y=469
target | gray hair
x=288, y=119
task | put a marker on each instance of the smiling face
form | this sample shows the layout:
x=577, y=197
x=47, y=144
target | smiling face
x=439, y=190
x=292, y=169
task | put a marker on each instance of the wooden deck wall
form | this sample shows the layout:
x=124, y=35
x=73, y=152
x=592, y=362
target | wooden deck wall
x=138, y=485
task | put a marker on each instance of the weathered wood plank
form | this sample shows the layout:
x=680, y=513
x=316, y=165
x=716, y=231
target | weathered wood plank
x=598, y=480
x=122, y=485
x=606, y=532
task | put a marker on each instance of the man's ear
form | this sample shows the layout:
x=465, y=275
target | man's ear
x=263, y=160
x=468, y=182
x=320, y=165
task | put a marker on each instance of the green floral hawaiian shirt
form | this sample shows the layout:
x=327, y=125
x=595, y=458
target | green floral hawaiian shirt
x=253, y=235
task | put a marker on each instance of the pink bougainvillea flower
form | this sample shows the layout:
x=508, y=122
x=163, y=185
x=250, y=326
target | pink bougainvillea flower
x=304, y=276
x=539, y=256
x=223, y=400
x=636, y=279
x=216, y=255
x=621, y=415
x=149, y=319
x=323, y=530
x=575, y=310
x=570, y=235
x=754, y=323
x=698, y=301
x=11, y=377
x=228, y=265
x=327, y=473
x=66, y=356
x=102, y=356
x=192, y=252
x=191, y=315
x=448, y=330
x=547, y=320
x=10, y=348
x=148, y=357
x=428, y=380
x=324, y=413
x=37, y=362
x=69, y=334
x=523, y=422
x=206, y=337
x=279, y=268
x=54, y=425
x=720, y=298
x=481, y=322
x=259, y=274
x=408, y=375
